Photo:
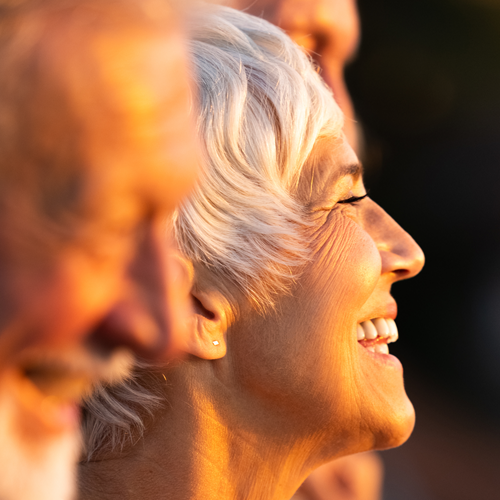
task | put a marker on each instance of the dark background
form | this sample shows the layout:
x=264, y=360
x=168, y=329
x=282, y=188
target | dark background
x=426, y=87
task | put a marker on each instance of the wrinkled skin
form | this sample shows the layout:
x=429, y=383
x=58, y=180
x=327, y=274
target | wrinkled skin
x=294, y=389
x=73, y=313
x=324, y=378
x=330, y=31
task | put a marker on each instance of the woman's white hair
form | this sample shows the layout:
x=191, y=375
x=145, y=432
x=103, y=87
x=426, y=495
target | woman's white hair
x=261, y=108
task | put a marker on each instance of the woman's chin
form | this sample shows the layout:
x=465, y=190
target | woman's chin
x=398, y=428
x=388, y=413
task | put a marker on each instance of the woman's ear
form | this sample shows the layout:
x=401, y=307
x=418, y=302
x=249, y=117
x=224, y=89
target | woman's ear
x=207, y=329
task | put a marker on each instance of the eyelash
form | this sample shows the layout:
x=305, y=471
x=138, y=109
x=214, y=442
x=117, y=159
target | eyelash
x=353, y=199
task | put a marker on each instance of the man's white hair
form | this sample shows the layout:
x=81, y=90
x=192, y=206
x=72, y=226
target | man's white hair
x=261, y=108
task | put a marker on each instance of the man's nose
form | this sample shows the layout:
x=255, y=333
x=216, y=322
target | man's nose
x=401, y=255
x=154, y=306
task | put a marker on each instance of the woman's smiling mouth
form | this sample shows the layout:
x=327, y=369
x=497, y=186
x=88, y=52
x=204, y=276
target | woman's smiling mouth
x=374, y=334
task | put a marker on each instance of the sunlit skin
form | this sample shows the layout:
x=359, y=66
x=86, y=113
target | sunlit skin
x=352, y=477
x=73, y=314
x=329, y=30
x=295, y=389
x=120, y=256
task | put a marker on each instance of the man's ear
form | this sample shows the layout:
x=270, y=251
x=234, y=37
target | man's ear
x=206, y=337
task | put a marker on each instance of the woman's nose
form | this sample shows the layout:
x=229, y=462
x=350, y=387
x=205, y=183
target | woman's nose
x=400, y=254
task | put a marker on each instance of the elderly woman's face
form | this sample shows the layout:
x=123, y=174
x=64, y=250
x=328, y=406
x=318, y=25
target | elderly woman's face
x=305, y=357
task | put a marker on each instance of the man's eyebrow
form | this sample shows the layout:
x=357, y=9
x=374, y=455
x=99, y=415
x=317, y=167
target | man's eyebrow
x=354, y=169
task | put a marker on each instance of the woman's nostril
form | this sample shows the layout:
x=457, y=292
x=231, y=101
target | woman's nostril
x=402, y=274
x=402, y=262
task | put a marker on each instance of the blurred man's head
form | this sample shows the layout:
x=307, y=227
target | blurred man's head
x=328, y=29
x=96, y=148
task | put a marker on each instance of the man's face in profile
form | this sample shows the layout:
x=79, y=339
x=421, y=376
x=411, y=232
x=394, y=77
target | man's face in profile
x=73, y=312
x=328, y=30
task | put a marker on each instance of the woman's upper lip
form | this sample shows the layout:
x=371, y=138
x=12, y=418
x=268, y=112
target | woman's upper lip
x=389, y=310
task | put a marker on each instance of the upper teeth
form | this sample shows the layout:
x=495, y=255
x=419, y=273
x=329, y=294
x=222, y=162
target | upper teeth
x=378, y=327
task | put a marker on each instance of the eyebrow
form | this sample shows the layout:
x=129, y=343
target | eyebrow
x=354, y=169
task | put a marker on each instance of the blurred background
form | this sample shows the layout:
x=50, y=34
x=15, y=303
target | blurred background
x=426, y=89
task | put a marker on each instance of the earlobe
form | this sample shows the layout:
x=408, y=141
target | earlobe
x=207, y=329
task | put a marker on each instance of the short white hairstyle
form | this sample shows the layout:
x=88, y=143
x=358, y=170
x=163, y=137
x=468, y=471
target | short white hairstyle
x=261, y=109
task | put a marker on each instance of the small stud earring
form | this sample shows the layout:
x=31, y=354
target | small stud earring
x=215, y=342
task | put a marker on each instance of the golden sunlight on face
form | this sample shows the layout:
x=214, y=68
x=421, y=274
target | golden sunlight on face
x=155, y=160
x=116, y=289
x=313, y=361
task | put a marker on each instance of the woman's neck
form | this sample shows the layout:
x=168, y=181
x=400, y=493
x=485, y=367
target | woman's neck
x=208, y=445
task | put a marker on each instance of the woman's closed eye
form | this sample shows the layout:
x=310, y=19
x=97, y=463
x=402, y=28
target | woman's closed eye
x=353, y=199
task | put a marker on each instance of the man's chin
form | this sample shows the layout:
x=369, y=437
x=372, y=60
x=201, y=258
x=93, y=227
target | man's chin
x=37, y=470
x=40, y=401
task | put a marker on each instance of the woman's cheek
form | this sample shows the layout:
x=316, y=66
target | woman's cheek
x=365, y=262
x=346, y=261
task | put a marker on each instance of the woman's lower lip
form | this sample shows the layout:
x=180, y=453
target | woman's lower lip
x=385, y=359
